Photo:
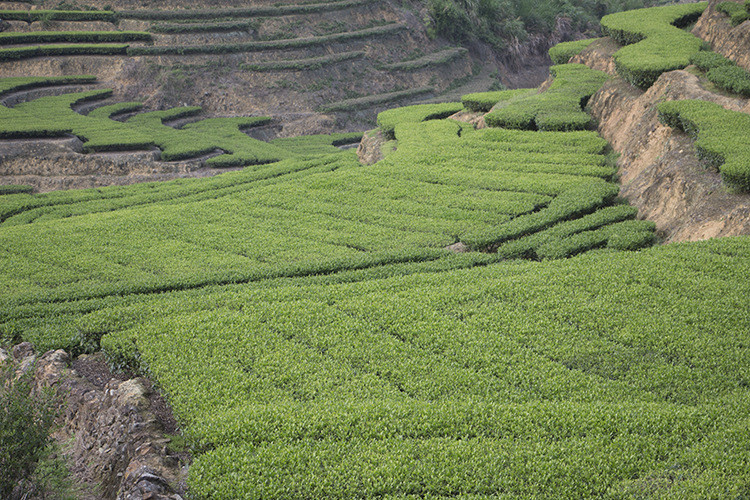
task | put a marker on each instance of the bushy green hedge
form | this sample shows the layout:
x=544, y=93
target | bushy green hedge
x=387, y=120
x=14, y=84
x=302, y=64
x=719, y=136
x=484, y=101
x=259, y=11
x=723, y=72
x=373, y=100
x=230, y=48
x=53, y=116
x=10, y=38
x=706, y=59
x=559, y=108
x=15, y=189
x=737, y=12
x=562, y=52
x=654, y=43
x=204, y=27
x=433, y=59
x=82, y=49
x=31, y=16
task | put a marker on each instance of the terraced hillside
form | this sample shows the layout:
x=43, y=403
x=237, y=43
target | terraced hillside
x=283, y=60
x=478, y=314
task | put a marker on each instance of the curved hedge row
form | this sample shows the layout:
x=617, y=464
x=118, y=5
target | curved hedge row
x=737, y=12
x=434, y=59
x=654, y=43
x=82, y=49
x=484, y=101
x=279, y=10
x=227, y=48
x=723, y=72
x=31, y=16
x=559, y=108
x=10, y=38
x=562, y=52
x=719, y=136
x=302, y=64
x=387, y=120
x=374, y=99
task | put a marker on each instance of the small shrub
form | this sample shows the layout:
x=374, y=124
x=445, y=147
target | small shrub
x=562, y=52
x=737, y=12
x=484, y=101
x=25, y=422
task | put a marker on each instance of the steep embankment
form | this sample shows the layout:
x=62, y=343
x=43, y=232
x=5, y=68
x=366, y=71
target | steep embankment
x=660, y=171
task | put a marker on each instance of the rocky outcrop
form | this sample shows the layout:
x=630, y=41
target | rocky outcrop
x=119, y=449
x=370, y=149
x=730, y=41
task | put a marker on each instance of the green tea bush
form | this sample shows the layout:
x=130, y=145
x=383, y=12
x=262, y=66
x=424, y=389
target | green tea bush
x=562, y=52
x=26, y=419
x=10, y=38
x=34, y=15
x=387, y=120
x=731, y=78
x=310, y=146
x=706, y=60
x=484, y=101
x=309, y=63
x=723, y=72
x=373, y=100
x=111, y=110
x=715, y=131
x=15, y=189
x=81, y=49
x=737, y=12
x=557, y=109
x=293, y=43
x=654, y=42
x=15, y=84
x=203, y=27
x=256, y=11
x=434, y=59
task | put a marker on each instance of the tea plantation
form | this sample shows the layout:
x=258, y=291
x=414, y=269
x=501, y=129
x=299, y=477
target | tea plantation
x=476, y=315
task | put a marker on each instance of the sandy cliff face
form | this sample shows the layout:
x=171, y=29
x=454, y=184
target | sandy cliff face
x=659, y=170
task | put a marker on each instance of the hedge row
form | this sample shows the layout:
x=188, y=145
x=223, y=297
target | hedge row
x=737, y=12
x=311, y=146
x=268, y=44
x=485, y=101
x=303, y=64
x=280, y=10
x=74, y=37
x=204, y=27
x=387, y=120
x=62, y=50
x=373, y=100
x=562, y=52
x=53, y=116
x=559, y=108
x=434, y=59
x=723, y=72
x=31, y=16
x=14, y=84
x=655, y=43
x=719, y=136
x=15, y=189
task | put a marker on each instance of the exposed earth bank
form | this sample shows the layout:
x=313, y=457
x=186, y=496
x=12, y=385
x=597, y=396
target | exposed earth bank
x=659, y=170
x=111, y=428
